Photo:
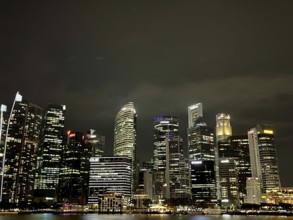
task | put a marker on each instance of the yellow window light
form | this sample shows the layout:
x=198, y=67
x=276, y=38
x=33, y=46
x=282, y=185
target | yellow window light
x=268, y=131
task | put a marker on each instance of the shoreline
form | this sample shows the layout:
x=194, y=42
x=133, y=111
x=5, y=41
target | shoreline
x=59, y=212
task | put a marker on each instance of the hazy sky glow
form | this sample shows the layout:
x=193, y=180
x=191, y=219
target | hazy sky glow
x=95, y=56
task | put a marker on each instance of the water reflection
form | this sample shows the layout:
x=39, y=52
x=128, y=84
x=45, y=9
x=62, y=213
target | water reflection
x=136, y=217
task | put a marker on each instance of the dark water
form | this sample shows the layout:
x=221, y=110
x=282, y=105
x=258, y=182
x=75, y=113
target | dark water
x=135, y=217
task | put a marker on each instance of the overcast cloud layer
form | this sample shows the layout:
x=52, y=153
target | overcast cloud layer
x=95, y=56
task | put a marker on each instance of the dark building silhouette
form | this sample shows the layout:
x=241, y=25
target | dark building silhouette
x=203, y=181
x=71, y=175
x=77, y=150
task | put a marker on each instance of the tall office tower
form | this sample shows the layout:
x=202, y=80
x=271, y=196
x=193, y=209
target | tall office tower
x=71, y=179
x=201, y=142
x=125, y=132
x=3, y=126
x=223, y=127
x=95, y=143
x=201, y=149
x=223, y=131
x=263, y=156
x=125, y=136
x=22, y=140
x=229, y=183
x=109, y=175
x=177, y=170
x=236, y=147
x=93, y=146
x=241, y=146
x=253, y=195
x=203, y=181
x=49, y=154
x=165, y=129
x=194, y=113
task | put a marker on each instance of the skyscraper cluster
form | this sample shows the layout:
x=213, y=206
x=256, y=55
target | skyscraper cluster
x=44, y=164
x=40, y=162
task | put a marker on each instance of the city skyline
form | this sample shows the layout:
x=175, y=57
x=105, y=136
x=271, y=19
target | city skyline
x=234, y=57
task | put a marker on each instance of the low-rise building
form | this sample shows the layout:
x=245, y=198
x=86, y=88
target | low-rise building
x=279, y=195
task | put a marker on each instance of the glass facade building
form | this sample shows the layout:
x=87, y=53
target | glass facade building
x=237, y=148
x=263, y=156
x=109, y=175
x=241, y=146
x=125, y=137
x=49, y=154
x=229, y=183
x=125, y=132
x=177, y=177
x=165, y=129
x=22, y=140
x=201, y=144
x=203, y=182
x=71, y=178
x=95, y=143
x=202, y=155
x=3, y=127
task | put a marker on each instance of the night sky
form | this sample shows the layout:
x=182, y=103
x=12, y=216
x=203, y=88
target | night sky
x=95, y=56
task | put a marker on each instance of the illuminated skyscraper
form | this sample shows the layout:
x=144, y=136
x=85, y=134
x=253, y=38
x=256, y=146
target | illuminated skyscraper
x=223, y=127
x=236, y=147
x=21, y=143
x=201, y=144
x=125, y=132
x=229, y=182
x=165, y=129
x=177, y=175
x=3, y=125
x=49, y=154
x=201, y=149
x=223, y=131
x=263, y=156
x=194, y=113
x=240, y=144
x=93, y=146
x=125, y=136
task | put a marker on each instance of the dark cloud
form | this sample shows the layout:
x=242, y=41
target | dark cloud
x=95, y=56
